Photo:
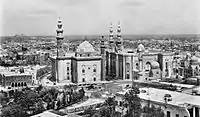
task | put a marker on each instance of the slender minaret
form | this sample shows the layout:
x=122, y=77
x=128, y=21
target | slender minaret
x=103, y=59
x=111, y=41
x=119, y=38
x=59, y=36
x=59, y=39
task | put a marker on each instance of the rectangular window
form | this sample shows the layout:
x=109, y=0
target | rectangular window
x=168, y=114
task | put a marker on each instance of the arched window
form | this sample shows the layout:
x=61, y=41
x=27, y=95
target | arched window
x=19, y=85
x=22, y=84
x=137, y=66
x=83, y=80
x=12, y=85
x=94, y=70
x=94, y=79
x=15, y=84
x=25, y=84
x=83, y=70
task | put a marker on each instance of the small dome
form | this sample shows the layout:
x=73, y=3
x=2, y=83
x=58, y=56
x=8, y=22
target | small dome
x=155, y=65
x=85, y=47
x=188, y=54
x=199, y=47
x=195, y=60
x=140, y=48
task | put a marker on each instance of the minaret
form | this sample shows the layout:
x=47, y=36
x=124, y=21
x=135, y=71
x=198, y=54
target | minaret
x=111, y=41
x=119, y=38
x=59, y=39
x=103, y=59
x=59, y=36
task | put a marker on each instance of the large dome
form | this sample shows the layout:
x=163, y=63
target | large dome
x=85, y=47
x=140, y=48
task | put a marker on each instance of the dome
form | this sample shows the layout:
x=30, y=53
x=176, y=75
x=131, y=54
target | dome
x=199, y=47
x=195, y=60
x=155, y=65
x=188, y=54
x=85, y=47
x=140, y=47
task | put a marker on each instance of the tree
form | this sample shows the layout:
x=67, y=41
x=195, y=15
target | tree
x=29, y=99
x=39, y=107
x=104, y=112
x=134, y=106
x=14, y=111
x=111, y=103
x=153, y=111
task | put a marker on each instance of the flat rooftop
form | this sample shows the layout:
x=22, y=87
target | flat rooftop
x=178, y=98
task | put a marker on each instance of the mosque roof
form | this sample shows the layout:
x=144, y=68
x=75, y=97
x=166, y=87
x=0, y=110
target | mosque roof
x=85, y=47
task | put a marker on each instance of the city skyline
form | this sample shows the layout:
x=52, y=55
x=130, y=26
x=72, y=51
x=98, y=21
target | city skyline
x=88, y=17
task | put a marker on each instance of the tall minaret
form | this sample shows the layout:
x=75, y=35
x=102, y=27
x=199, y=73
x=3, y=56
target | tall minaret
x=103, y=59
x=119, y=38
x=59, y=36
x=111, y=41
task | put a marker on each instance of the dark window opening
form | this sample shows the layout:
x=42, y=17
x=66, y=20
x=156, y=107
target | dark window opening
x=83, y=79
x=94, y=79
x=67, y=68
x=94, y=70
x=67, y=77
x=83, y=71
x=177, y=115
x=168, y=114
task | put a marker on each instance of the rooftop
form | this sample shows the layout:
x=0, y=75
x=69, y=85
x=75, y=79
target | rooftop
x=178, y=98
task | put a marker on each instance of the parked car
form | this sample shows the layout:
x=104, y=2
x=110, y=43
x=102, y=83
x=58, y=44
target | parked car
x=168, y=97
x=179, y=89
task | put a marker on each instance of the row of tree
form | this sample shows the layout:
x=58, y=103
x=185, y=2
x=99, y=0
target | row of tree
x=30, y=102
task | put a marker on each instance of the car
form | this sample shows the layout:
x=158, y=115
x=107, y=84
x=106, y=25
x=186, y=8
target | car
x=179, y=89
x=168, y=97
x=195, y=92
x=143, y=91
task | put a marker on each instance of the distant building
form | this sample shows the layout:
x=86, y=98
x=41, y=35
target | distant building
x=14, y=80
x=186, y=66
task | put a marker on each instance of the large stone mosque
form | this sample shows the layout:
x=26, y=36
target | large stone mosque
x=113, y=62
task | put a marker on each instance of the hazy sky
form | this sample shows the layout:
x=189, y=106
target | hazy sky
x=39, y=17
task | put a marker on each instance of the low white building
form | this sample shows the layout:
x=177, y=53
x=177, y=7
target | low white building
x=181, y=105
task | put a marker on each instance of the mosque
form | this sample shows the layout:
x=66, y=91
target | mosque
x=126, y=64
x=83, y=66
x=114, y=62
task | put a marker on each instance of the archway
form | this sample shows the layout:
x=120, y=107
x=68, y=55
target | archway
x=148, y=66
